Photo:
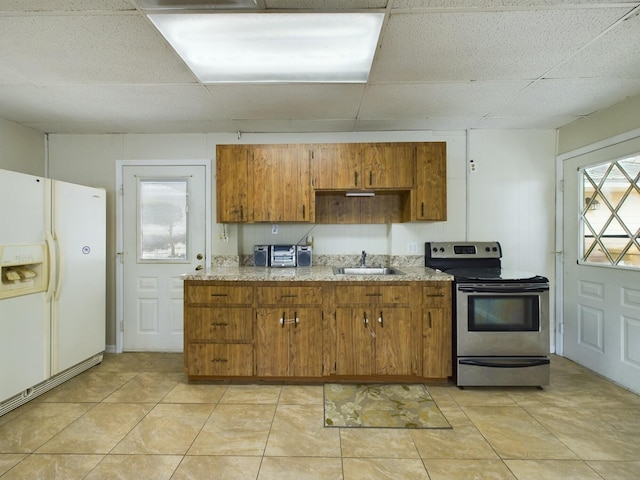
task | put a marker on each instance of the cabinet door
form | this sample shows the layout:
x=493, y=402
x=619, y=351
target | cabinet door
x=437, y=341
x=388, y=165
x=232, y=183
x=272, y=342
x=336, y=166
x=305, y=343
x=395, y=342
x=355, y=341
x=289, y=342
x=431, y=182
x=281, y=185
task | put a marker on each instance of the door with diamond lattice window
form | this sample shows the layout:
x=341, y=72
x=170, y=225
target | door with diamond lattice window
x=601, y=269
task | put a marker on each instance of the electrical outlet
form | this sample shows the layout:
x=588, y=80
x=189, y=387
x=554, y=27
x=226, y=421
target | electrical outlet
x=412, y=248
x=473, y=166
x=274, y=229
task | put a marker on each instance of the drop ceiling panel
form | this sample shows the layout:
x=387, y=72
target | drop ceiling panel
x=491, y=4
x=504, y=45
x=290, y=126
x=324, y=4
x=525, y=122
x=283, y=102
x=551, y=98
x=415, y=124
x=614, y=54
x=436, y=99
x=108, y=103
x=64, y=5
x=80, y=49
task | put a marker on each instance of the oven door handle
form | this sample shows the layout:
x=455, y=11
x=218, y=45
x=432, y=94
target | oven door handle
x=494, y=289
x=532, y=362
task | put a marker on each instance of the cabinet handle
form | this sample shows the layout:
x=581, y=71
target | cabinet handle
x=372, y=294
x=219, y=324
x=303, y=212
x=219, y=360
x=282, y=297
x=282, y=320
x=241, y=212
x=219, y=295
x=429, y=319
x=422, y=209
x=296, y=319
x=381, y=320
x=364, y=317
x=371, y=178
x=355, y=178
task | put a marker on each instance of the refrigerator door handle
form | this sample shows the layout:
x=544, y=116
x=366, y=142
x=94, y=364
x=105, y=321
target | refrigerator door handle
x=60, y=262
x=52, y=265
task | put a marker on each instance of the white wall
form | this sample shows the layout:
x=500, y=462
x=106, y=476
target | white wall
x=512, y=199
x=21, y=149
x=607, y=123
x=515, y=157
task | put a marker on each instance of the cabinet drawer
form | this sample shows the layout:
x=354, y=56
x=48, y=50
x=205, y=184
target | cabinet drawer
x=219, y=324
x=437, y=296
x=220, y=359
x=219, y=295
x=311, y=295
x=373, y=294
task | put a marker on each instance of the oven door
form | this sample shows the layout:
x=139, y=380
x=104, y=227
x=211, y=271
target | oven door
x=506, y=319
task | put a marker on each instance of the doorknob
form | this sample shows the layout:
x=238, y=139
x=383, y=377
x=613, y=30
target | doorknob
x=199, y=256
x=199, y=267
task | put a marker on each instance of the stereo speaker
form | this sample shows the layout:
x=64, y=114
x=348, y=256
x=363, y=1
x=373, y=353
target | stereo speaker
x=261, y=255
x=304, y=255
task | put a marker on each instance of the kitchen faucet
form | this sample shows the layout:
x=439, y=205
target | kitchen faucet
x=363, y=258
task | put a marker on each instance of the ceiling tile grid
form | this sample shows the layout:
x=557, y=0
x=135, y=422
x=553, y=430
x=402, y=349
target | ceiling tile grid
x=96, y=66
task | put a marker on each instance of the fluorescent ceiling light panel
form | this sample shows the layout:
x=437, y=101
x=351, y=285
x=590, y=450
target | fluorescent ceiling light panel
x=274, y=47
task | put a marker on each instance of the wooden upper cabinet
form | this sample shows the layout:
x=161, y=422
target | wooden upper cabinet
x=430, y=193
x=357, y=166
x=336, y=166
x=306, y=183
x=281, y=185
x=388, y=165
x=232, y=183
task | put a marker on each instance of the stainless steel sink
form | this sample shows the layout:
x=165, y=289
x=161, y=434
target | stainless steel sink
x=366, y=271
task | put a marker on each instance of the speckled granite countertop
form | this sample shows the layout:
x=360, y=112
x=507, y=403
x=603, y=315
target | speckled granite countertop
x=320, y=273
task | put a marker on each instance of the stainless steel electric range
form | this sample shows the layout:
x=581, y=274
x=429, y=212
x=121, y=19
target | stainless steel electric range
x=501, y=317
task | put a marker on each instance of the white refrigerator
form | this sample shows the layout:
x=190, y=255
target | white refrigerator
x=52, y=287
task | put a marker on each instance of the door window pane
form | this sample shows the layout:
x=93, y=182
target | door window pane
x=610, y=215
x=163, y=220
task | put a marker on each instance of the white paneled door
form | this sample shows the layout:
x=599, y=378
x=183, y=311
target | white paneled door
x=601, y=311
x=164, y=222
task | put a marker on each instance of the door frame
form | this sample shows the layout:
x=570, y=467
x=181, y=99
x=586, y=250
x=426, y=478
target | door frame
x=560, y=221
x=119, y=270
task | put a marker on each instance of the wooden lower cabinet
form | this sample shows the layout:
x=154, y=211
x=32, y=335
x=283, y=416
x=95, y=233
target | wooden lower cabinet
x=289, y=342
x=437, y=334
x=375, y=341
x=369, y=330
x=227, y=359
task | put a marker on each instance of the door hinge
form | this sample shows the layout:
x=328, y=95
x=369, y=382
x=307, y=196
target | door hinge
x=121, y=189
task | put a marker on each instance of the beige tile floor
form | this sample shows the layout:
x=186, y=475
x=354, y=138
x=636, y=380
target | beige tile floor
x=136, y=417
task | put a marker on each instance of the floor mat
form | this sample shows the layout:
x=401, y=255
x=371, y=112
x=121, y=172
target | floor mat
x=381, y=406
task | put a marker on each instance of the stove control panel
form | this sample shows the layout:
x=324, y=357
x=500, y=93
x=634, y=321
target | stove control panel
x=463, y=250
